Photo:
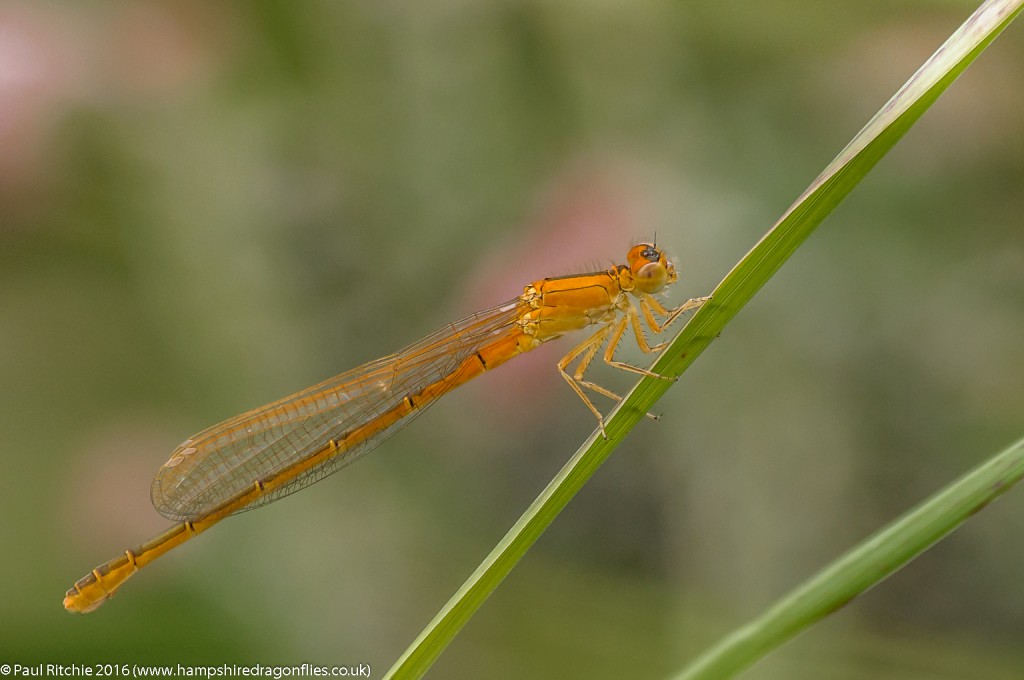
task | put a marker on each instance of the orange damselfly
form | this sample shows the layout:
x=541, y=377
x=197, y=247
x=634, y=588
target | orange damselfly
x=267, y=453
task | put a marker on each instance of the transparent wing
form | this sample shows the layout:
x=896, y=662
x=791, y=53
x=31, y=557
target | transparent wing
x=225, y=460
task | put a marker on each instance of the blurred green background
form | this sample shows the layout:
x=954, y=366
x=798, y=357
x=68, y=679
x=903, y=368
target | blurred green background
x=205, y=206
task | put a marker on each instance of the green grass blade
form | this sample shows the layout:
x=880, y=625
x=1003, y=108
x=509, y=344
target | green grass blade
x=864, y=566
x=738, y=287
x=832, y=185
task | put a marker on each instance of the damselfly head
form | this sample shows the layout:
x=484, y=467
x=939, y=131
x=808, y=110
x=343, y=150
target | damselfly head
x=651, y=268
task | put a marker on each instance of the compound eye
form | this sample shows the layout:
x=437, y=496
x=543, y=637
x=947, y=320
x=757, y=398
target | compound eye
x=651, y=277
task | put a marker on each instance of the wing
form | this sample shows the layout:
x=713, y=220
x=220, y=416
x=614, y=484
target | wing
x=226, y=460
